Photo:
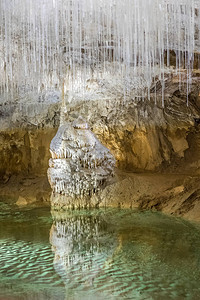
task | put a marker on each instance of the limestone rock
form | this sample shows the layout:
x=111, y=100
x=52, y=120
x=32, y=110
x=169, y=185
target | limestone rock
x=141, y=135
x=25, y=200
x=144, y=135
x=24, y=151
x=21, y=201
x=80, y=164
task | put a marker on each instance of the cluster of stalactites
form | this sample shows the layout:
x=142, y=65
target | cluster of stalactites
x=52, y=43
x=77, y=177
x=81, y=185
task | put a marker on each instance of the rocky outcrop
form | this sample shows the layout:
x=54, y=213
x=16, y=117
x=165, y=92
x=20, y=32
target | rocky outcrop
x=80, y=166
x=142, y=134
x=30, y=110
x=27, y=126
x=26, y=190
x=173, y=194
x=24, y=151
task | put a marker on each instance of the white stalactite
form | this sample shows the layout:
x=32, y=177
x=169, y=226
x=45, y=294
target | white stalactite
x=45, y=44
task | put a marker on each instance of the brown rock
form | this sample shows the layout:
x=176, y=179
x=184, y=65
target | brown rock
x=21, y=201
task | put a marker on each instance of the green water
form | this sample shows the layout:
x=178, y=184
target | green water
x=99, y=254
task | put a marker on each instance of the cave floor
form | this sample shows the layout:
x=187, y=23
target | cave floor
x=174, y=194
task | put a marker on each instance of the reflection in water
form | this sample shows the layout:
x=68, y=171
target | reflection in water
x=97, y=254
x=125, y=255
x=83, y=243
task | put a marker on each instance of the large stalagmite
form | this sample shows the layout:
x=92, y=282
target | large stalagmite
x=80, y=166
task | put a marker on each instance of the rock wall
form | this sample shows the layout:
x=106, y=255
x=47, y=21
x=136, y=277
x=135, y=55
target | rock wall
x=144, y=135
x=140, y=133
x=27, y=128
x=25, y=151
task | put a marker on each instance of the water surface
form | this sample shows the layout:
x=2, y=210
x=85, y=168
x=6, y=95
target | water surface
x=98, y=254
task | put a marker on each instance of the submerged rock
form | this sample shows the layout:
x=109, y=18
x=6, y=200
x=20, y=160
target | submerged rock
x=80, y=165
x=26, y=200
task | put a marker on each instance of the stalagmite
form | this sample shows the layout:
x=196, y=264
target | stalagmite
x=75, y=176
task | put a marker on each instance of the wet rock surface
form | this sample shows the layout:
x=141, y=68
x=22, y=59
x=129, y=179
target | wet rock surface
x=174, y=194
x=26, y=191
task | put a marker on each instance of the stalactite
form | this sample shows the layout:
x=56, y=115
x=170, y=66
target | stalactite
x=63, y=43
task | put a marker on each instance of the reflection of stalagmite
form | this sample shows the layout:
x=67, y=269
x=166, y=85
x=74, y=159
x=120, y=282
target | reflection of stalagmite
x=82, y=244
x=80, y=166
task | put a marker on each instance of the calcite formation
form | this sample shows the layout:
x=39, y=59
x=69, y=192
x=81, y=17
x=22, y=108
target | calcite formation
x=80, y=165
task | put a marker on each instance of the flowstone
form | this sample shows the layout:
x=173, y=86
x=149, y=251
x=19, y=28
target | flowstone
x=80, y=166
